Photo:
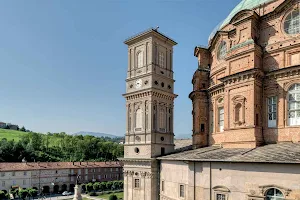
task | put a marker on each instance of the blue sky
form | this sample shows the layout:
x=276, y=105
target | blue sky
x=63, y=63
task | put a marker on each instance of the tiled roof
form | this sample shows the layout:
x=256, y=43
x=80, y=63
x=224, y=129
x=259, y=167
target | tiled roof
x=272, y=153
x=4, y=166
x=183, y=144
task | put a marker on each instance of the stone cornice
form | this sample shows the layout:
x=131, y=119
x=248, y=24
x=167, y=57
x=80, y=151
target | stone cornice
x=242, y=76
x=147, y=93
x=284, y=72
x=138, y=174
x=197, y=94
x=216, y=89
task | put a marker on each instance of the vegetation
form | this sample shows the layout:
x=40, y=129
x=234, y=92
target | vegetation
x=103, y=186
x=107, y=196
x=16, y=146
x=113, y=197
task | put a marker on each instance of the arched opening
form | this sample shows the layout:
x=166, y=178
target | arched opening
x=274, y=194
x=55, y=189
x=72, y=187
x=294, y=105
x=138, y=118
x=139, y=59
x=292, y=22
x=46, y=189
x=64, y=187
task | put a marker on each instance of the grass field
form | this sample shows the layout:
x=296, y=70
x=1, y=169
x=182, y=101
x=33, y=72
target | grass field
x=11, y=134
x=106, y=196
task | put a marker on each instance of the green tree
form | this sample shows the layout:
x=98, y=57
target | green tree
x=23, y=193
x=2, y=195
x=23, y=129
x=108, y=185
x=102, y=186
x=89, y=187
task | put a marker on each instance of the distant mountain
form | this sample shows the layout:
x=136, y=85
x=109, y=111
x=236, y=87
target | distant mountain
x=183, y=136
x=96, y=134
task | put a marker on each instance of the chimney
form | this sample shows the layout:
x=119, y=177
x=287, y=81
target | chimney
x=80, y=163
x=87, y=163
x=73, y=162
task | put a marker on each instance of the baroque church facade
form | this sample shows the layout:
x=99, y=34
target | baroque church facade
x=245, y=107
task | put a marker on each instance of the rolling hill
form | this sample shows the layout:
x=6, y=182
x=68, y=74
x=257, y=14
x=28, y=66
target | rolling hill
x=96, y=134
x=11, y=134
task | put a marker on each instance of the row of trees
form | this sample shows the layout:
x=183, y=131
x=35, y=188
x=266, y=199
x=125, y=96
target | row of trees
x=21, y=193
x=54, y=147
x=13, y=127
x=103, y=186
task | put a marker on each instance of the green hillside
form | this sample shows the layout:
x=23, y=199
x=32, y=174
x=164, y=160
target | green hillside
x=11, y=134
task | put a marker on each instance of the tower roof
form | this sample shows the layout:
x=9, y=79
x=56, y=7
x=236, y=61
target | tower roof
x=148, y=32
x=243, y=5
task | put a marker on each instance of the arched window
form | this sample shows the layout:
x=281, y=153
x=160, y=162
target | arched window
x=161, y=59
x=237, y=112
x=274, y=194
x=162, y=119
x=138, y=118
x=294, y=105
x=221, y=119
x=140, y=59
x=222, y=50
x=292, y=22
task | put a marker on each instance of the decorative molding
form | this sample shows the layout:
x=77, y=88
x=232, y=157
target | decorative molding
x=142, y=94
x=243, y=76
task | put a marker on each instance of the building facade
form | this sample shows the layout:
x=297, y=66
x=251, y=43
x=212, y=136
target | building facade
x=245, y=107
x=56, y=176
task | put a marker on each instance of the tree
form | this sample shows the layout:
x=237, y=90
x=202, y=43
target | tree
x=113, y=197
x=108, y=185
x=96, y=186
x=102, y=186
x=2, y=195
x=32, y=192
x=23, y=129
x=89, y=187
x=23, y=193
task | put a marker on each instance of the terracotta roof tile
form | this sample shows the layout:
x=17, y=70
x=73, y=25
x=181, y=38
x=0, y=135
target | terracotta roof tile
x=5, y=166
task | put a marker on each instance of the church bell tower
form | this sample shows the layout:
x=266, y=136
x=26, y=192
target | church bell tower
x=149, y=112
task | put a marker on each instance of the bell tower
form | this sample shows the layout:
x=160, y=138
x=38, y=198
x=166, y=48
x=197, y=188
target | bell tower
x=149, y=112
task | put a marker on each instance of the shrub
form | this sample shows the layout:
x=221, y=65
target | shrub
x=113, y=197
x=2, y=194
x=23, y=193
x=92, y=194
x=89, y=187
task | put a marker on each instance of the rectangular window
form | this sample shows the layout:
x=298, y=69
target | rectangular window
x=79, y=171
x=181, y=190
x=221, y=119
x=211, y=128
x=13, y=173
x=117, y=169
x=162, y=186
x=86, y=177
x=86, y=171
x=220, y=197
x=24, y=182
x=111, y=169
x=72, y=171
x=272, y=111
x=162, y=151
x=99, y=177
x=202, y=128
x=25, y=173
x=136, y=183
x=2, y=174
x=3, y=183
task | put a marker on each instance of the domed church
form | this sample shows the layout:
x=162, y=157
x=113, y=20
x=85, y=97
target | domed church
x=245, y=107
